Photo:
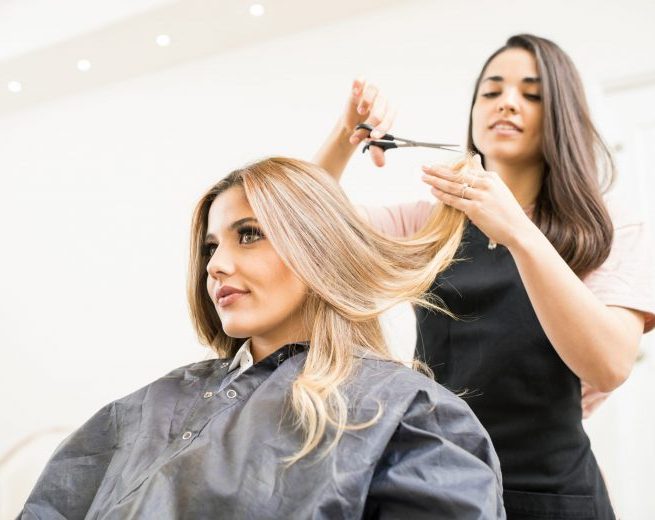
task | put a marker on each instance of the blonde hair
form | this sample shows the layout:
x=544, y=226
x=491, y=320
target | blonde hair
x=352, y=272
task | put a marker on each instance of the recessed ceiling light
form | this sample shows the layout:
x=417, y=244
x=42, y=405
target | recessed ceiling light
x=15, y=86
x=83, y=65
x=163, y=40
x=257, y=9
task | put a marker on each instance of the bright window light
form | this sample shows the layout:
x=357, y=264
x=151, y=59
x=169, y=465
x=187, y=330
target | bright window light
x=15, y=86
x=83, y=65
x=257, y=9
x=163, y=40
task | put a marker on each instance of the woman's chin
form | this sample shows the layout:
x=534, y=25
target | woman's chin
x=234, y=330
x=508, y=152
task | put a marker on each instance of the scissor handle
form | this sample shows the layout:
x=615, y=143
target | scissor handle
x=364, y=126
x=385, y=145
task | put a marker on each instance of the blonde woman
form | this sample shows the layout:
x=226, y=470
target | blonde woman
x=304, y=414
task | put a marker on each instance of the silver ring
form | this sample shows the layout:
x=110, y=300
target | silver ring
x=464, y=188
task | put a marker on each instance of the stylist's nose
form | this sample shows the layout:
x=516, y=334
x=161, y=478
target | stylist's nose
x=221, y=263
x=508, y=101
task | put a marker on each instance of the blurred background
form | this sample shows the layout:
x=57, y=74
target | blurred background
x=115, y=116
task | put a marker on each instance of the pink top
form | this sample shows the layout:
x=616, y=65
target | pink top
x=625, y=279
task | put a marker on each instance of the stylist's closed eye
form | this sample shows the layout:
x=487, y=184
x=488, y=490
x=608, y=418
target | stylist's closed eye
x=526, y=95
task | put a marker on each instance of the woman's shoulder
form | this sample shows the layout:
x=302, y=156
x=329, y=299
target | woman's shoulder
x=395, y=381
x=621, y=213
x=196, y=370
x=625, y=278
x=174, y=383
x=420, y=404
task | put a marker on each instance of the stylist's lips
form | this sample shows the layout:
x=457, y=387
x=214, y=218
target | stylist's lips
x=505, y=127
x=227, y=295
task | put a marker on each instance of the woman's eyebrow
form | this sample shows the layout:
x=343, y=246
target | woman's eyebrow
x=237, y=223
x=527, y=79
x=234, y=225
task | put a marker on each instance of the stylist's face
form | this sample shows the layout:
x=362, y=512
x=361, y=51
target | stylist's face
x=508, y=112
x=255, y=294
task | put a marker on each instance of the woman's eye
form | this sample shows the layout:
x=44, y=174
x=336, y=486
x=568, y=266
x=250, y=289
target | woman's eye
x=490, y=94
x=533, y=97
x=249, y=235
x=208, y=250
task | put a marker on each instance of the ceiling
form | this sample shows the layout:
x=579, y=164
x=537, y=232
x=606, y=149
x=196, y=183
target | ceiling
x=42, y=42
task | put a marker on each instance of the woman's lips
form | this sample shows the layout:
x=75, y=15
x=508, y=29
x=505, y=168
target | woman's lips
x=505, y=128
x=230, y=299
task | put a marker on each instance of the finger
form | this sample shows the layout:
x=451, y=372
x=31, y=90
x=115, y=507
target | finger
x=453, y=188
x=377, y=156
x=356, y=90
x=387, y=122
x=444, y=172
x=437, y=169
x=450, y=200
x=367, y=99
x=358, y=136
x=378, y=110
x=478, y=161
x=459, y=177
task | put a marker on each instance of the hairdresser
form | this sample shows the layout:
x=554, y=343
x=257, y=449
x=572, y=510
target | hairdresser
x=553, y=286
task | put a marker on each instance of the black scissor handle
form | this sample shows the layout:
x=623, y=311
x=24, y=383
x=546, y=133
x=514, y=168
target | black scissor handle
x=364, y=126
x=385, y=145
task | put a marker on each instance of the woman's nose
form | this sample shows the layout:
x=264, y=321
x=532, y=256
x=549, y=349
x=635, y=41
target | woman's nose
x=508, y=102
x=220, y=263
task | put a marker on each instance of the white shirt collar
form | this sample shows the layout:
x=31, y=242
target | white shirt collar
x=242, y=359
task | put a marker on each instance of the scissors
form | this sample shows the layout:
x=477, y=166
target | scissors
x=388, y=141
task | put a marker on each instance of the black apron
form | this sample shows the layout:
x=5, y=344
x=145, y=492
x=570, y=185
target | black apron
x=498, y=358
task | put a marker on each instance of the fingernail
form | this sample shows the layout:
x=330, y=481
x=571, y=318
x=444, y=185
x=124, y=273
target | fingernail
x=360, y=110
x=376, y=134
x=425, y=168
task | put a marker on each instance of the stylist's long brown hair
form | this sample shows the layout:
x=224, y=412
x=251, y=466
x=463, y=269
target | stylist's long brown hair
x=578, y=166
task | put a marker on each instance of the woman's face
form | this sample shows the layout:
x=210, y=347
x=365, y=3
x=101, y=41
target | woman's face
x=255, y=294
x=508, y=112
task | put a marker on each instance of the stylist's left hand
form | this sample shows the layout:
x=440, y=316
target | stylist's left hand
x=487, y=201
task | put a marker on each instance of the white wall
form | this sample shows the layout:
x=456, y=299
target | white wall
x=97, y=189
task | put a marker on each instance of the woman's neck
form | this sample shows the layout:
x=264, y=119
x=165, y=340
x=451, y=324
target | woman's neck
x=523, y=179
x=264, y=345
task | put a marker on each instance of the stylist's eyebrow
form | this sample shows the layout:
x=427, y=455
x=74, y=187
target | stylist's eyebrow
x=529, y=79
x=234, y=225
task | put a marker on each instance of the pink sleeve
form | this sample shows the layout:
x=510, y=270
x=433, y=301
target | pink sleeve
x=402, y=220
x=627, y=277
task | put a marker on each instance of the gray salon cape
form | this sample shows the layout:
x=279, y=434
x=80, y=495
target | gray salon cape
x=181, y=449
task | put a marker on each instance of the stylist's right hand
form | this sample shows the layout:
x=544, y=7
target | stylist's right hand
x=367, y=105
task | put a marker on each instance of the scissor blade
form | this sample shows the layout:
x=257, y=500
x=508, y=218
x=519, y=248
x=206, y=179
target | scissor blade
x=440, y=146
x=435, y=145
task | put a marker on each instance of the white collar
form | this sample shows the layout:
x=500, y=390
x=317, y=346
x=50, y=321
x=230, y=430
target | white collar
x=242, y=359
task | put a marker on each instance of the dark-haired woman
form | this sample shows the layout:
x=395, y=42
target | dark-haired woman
x=563, y=298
